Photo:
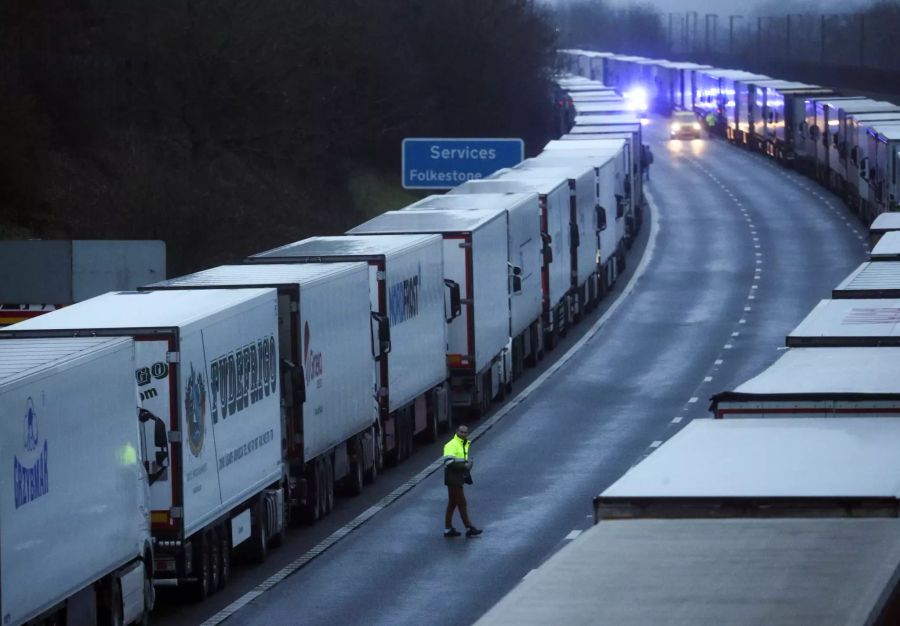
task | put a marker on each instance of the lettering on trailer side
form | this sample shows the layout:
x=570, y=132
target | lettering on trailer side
x=403, y=298
x=242, y=377
x=31, y=475
x=313, y=360
x=146, y=375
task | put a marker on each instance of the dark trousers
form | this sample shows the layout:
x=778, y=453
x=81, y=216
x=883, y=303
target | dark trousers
x=456, y=499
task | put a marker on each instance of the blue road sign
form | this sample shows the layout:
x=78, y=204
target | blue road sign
x=445, y=163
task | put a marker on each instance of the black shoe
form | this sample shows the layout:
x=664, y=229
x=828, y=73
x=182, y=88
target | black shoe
x=473, y=532
x=452, y=532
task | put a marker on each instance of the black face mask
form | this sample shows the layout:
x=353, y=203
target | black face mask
x=464, y=437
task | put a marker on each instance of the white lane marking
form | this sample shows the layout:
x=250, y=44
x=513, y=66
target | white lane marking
x=677, y=420
x=392, y=497
x=728, y=346
x=719, y=361
x=742, y=321
x=707, y=379
x=781, y=348
x=735, y=334
x=693, y=400
x=656, y=444
x=572, y=535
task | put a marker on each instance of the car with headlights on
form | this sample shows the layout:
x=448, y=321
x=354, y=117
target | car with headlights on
x=685, y=125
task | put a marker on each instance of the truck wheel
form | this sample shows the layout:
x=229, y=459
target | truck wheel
x=149, y=599
x=312, y=509
x=201, y=587
x=259, y=536
x=355, y=479
x=214, y=556
x=329, y=485
x=371, y=474
x=224, y=563
x=116, y=617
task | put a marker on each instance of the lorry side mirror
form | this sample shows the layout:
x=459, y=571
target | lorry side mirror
x=516, y=279
x=455, y=299
x=620, y=206
x=384, y=333
x=864, y=168
x=601, y=218
x=298, y=383
x=160, y=444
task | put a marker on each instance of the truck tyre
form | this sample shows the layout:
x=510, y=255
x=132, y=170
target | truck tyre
x=202, y=566
x=224, y=563
x=149, y=600
x=371, y=474
x=214, y=556
x=116, y=617
x=329, y=485
x=311, y=511
x=259, y=535
x=356, y=478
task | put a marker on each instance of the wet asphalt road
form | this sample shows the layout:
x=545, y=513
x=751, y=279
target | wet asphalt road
x=742, y=251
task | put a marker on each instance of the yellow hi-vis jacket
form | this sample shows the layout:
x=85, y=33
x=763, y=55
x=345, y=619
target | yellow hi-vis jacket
x=456, y=461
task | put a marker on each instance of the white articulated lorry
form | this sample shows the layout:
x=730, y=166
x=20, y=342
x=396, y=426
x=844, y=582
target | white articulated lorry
x=75, y=544
x=726, y=523
x=325, y=340
x=475, y=257
x=524, y=250
x=407, y=289
x=819, y=382
x=556, y=235
x=207, y=365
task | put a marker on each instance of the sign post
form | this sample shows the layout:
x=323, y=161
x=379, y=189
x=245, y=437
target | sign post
x=430, y=163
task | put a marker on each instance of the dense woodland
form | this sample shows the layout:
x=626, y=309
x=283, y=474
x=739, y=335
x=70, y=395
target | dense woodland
x=228, y=126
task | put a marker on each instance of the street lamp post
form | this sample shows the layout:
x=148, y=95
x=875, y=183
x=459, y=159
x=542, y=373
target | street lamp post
x=731, y=19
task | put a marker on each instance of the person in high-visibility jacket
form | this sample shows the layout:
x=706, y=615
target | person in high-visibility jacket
x=457, y=467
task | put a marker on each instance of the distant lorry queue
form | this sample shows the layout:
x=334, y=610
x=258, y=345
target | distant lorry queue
x=195, y=419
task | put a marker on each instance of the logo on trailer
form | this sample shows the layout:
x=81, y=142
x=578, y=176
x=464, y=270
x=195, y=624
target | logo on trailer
x=31, y=475
x=315, y=365
x=195, y=411
x=404, y=298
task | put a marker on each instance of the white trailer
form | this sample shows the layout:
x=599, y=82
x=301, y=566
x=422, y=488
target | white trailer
x=325, y=339
x=809, y=141
x=207, y=365
x=879, y=279
x=475, y=257
x=407, y=288
x=849, y=323
x=855, y=152
x=726, y=523
x=590, y=224
x=554, y=200
x=524, y=253
x=819, y=382
x=75, y=542
x=884, y=144
x=615, y=170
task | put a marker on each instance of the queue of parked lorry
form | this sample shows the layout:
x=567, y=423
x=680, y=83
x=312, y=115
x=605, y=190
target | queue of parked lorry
x=849, y=143
x=782, y=508
x=154, y=435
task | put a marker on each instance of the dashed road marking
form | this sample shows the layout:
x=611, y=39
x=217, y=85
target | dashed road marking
x=572, y=535
x=677, y=420
x=693, y=400
x=656, y=444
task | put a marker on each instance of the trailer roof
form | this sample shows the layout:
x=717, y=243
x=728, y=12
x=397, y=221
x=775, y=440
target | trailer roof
x=599, y=108
x=407, y=221
x=472, y=201
x=680, y=65
x=20, y=358
x=826, y=372
x=734, y=74
x=142, y=309
x=559, y=170
x=346, y=245
x=605, y=120
x=885, y=222
x=887, y=248
x=599, y=130
x=759, y=458
x=589, y=146
x=260, y=275
x=871, y=280
x=860, y=106
x=887, y=132
x=711, y=572
x=848, y=322
x=512, y=181
x=874, y=117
